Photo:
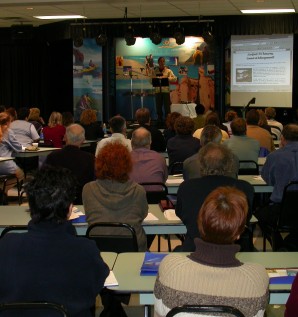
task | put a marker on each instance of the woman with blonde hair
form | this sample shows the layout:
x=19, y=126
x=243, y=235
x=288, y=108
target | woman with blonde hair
x=54, y=132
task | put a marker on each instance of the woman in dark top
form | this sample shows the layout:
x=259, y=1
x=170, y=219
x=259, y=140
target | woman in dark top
x=93, y=129
x=170, y=132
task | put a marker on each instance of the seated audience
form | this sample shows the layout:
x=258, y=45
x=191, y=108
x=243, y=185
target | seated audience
x=213, y=119
x=292, y=302
x=118, y=129
x=12, y=113
x=93, y=129
x=169, y=131
x=263, y=123
x=191, y=166
x=49, y=263
x=212, y=274
x=79, y=162
x=36, y=119
x=183, y=145
x=113, y=196
x=229, y=117
x=254, y=131
x=24, y=131
x=158, y=143
x=241, y=145
x=54, y=132
x=216, y=162
x=147, y=165
x=67, y=118
x=199, y=120
x=276, y=126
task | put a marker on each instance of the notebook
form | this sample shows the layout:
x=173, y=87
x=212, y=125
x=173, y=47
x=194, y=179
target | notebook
x=151, y=263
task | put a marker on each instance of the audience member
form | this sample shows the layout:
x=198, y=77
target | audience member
x=263, y=123
x=24, y=131
x=54, y=131
x=213, y=119
x=67, y=118
x=49, y=263
x=280, y=168
x=216, y=162
x=118, y=130
x=212, y=274
x=229, y=117
x=191, y=166
x=241, y=145
x=158, y=143
x=170, y=132
x=79, y=162
x=254, y=131
x=183, y=145
x=147, y=165
x=12, y=113
x=93, y=129
x=199, y=120
x=292, y=302
x=113, y=196
x=276, y=126
x=35, y=118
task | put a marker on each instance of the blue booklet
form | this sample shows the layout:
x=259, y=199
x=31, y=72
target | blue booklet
x=81, y=219
x=282, y=276
x=151, y=263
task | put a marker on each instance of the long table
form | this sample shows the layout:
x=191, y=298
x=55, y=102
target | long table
x=127, y=272
x=40, y=152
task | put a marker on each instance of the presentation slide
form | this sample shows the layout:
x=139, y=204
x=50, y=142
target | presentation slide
x=262, y=68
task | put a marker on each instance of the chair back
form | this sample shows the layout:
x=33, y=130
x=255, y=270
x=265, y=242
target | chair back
x=288, y=216
x=13, y=229
x=176, y=168
x=248, y=167
x=155, y=192
x=215, y=310
x=37, y=309
x=113, y=236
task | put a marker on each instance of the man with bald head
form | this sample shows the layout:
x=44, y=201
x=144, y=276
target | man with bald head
x=81, y=163
x=148, y=165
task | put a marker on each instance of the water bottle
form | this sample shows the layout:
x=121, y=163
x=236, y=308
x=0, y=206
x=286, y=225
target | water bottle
x=104, y=128
x=41, y=135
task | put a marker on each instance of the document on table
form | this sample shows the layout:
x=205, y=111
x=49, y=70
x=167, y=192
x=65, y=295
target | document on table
x=75, y=213
x=150, y=217
x=174, y=180
x=171, y=215
x=111, y=280
x=282, y=276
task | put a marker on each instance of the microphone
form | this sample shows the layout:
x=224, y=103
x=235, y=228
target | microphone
x=251, y=101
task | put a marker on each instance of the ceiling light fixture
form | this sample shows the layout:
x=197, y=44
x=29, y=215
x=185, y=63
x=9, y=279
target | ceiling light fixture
x=179, y=35
x=59, y=17
x=259, y=11
x=155, y=36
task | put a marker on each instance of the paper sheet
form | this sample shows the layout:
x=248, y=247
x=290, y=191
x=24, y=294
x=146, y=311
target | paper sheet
x=111, y=280
x=171, y=215
x=75, y=213
x=175, y=180
x=150, y=217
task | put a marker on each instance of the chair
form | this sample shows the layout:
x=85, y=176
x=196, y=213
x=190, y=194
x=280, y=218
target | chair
x=176, y=168
x=125, y=240
x=219, y=310
x=11, y=229
x=37, y=308
x=288, y=217
x=10, y=179
x=248, y=167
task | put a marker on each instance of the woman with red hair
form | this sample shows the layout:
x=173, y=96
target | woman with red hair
x=113, y=196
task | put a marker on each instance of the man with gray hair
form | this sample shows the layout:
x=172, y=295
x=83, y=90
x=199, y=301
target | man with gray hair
x=148, y=165
x=81, y=163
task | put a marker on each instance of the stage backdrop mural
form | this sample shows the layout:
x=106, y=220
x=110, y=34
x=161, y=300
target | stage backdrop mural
x=87, y=78
x=192, y=63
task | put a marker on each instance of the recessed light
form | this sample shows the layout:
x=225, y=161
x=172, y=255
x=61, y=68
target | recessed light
x=268, y=11
x=59, y=17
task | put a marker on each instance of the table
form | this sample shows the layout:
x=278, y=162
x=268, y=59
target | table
x=260, y=186
x=130, y=280
x=42, y=151
x=4, y=159
x=186, y=109
x=109, y=258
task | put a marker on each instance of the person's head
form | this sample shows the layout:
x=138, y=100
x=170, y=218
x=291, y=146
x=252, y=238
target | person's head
x=161, y=62
x=184, y=125
x=117, y=124
x=270, y=113
x=12, y=113
x=67, y=118
x=141, y=138
x=215, y=159
x=55, y=118
x=222, y=217
x=34, y=114
x=143, y=116
x=4, y=123
x=289, y=133
x=263, y=119
x=238, y=126
x=212, y=118
x=200, y=109
x=171, y=118
x=252, y=117
x=210, y=133
x=51, y=194
x=23, y=113
x=88, y=116
x=75, y=135
x=230, y=115
x=113, y=162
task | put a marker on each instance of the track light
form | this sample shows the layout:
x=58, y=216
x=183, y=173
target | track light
x=78, y=41
x=101, y=39
x=179, y=35
x=129, y=36
x=155, y=36
x=207, y=34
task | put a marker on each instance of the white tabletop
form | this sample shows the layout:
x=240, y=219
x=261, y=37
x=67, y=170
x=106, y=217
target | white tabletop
x=4, y=159
x=40, y=152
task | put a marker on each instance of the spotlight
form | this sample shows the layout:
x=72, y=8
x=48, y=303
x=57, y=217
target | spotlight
x=129, y=37
x=207, y=34
x=101, y=39
x=155, y=37
x=179, y=35
x=78, y=41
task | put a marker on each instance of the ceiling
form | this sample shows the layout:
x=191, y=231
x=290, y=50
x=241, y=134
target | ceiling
x=18, y=12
